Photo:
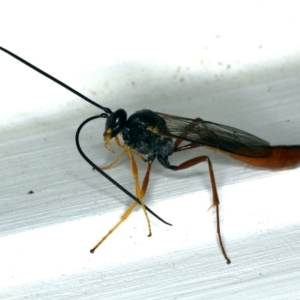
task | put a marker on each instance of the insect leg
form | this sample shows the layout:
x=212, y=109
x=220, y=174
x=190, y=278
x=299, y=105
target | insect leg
x=121, y=154
x=131, y=208
x=114, y=162
x=140, y=192
x=123, y=218
x=216, y=202
x=186, y=147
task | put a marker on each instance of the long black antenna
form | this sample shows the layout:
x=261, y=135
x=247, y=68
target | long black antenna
x=106, y=109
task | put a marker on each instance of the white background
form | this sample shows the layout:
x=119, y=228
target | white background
x=231, y=62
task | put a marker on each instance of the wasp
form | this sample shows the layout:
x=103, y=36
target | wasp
x=151, y=135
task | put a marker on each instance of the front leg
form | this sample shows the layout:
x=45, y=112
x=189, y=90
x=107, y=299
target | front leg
x=140, y=193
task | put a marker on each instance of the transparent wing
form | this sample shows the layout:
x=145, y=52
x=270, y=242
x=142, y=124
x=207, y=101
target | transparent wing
x=214, y=135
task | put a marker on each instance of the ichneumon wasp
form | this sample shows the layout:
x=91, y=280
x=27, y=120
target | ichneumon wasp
x=153, y=135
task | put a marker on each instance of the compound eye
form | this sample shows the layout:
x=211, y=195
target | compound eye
x=115, y=122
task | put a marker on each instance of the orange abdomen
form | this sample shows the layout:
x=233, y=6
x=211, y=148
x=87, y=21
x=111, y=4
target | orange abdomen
x=281, y=157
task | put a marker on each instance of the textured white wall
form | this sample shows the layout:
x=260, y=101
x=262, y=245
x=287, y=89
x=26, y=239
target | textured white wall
x=233, y=62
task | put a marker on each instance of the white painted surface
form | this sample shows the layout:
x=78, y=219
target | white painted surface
x=234, y=64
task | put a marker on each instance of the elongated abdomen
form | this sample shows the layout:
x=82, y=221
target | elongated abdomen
x=281, y=157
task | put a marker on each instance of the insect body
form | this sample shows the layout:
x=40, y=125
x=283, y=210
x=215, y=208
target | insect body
x=150, y=135
x=138, y=134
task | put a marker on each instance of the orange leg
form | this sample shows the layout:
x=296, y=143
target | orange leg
x=121, y=154
x=186, y=147
x=117, y=141
x=114, y=162
x=140, y=193
x=216, y=202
